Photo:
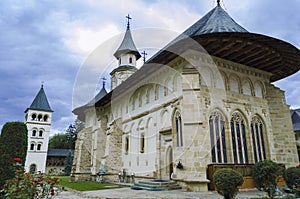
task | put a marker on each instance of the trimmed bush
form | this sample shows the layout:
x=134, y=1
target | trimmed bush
x=13, y=144
x=265, y=174
x=292, y=179
x=227, y=181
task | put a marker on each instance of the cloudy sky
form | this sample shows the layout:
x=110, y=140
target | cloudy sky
x=54, y=41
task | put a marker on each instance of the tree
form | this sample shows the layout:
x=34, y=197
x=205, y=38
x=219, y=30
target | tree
x=227, y=181
x=72, y=132
x=68, y=163
x=66, y=140
x=59, y=141
x=13, y=144
x=265, y=174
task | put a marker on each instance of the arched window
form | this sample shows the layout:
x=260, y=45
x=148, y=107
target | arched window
x=33, y=116
x=40, y=133
x=40, y=117
x=45, y=118
x=238, y=135
x=120, y=61
x=33, y=133
x=178, y=124
x=130, y=60
x=32, y=146
x=258, y=140
x=126, y=144
x=39, y=147
x=32, y=168
x=142, y=143
x=217, y=137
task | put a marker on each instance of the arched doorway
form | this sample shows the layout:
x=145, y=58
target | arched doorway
x=169, y=161
x=32, y=168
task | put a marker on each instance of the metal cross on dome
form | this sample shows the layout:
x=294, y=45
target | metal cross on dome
x=144, y=56
x=103, y=81
x=128, y=20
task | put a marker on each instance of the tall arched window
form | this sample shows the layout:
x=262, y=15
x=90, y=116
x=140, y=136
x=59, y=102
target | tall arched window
x=239, y=141
x=178, y=124
x=217, y=137
x=258, y=140
x=39, y=146
x=33, y=133
x=40, y=133
x=32, y=146
x=142, y=142
x=130, y=60
x=126, y=144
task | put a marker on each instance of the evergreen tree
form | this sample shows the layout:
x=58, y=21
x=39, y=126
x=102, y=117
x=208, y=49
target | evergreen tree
x=68, y=163
x=13, y=144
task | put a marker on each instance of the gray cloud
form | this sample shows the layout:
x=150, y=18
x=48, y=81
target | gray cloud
x=33, y=39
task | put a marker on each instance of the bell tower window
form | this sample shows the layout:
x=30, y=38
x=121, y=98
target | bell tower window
x=34, y=133
x=45, y=118
x=130, y=60
x=33, y=116
x=39, y=147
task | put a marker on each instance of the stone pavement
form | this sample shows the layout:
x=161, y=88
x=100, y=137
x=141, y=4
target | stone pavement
x=126, y=193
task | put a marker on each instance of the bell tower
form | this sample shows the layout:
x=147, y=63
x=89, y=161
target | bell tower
x=38, y=121
x=127, y=55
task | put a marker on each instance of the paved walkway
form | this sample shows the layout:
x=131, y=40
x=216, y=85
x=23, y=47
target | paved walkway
x=126, y=193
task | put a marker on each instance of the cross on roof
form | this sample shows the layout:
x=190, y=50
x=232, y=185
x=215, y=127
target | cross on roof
x=218, y=1
x=103, y=81
x=144, y=56
x=128, y=21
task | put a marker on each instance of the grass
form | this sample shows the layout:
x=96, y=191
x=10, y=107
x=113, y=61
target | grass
x=85, y=185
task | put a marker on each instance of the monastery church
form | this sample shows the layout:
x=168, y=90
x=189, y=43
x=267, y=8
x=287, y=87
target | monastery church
x=203, y=101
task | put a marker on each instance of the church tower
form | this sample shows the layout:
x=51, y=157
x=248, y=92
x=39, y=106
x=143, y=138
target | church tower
x=38, y=121
x=127, y=55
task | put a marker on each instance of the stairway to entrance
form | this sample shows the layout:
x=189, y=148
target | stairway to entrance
x=156, y=185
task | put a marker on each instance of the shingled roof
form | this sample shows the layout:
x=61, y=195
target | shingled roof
x=127, y=45
x=217, y=34
x=40, y=102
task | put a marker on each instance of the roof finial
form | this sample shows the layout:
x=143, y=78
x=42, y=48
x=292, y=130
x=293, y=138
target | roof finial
x=144, y=56
x=42, y=86
x=128, y=21
x=103, y=81
x=218, y=1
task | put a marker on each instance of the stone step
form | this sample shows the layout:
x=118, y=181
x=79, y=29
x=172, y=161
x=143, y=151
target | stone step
x=156, y=185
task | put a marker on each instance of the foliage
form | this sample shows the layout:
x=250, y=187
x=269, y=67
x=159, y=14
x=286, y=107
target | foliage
x=59, y=141
x=26, y=185
x=292, y=178
x=265, y=174
x=68, y=163
x=85, y=185
x=13, y=143
x=227, y=181
x=66, y=140
x=72, y=132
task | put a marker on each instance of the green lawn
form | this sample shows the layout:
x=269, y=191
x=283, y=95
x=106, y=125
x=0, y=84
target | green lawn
x=85, y=186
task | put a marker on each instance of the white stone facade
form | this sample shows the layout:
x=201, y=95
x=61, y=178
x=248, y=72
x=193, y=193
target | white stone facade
x=167, y=118
x=38, y=123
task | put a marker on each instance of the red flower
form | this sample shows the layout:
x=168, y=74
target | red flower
x=17, y=160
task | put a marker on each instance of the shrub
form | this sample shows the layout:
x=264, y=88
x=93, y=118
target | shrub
x=227, y=181
x=265, y=174
x=13, y=143
x=26, y=185
x=292, y=179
